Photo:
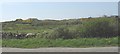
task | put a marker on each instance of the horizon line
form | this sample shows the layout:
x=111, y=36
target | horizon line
x=66, y=18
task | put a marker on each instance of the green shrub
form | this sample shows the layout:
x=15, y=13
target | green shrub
x=99, y=28
x=59, y=32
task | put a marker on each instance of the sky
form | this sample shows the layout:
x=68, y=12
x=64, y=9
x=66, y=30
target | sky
x=59, y=0
x=56, y=10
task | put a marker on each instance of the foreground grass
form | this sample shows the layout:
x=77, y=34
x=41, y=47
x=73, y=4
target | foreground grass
x=81, y=42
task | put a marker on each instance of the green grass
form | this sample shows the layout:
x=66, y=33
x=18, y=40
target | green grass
x=33, y=29
x=81, y=42
x=0, y=42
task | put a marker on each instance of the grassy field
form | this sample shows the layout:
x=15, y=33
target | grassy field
x=81, y=42
x=86, y=32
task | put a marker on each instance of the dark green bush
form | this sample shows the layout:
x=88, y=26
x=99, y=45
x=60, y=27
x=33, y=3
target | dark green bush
x=99, y=28
x=60, y=32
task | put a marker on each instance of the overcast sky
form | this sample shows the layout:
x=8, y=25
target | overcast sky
x=57, y=10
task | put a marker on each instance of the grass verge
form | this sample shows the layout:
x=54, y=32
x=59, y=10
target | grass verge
x=81, y=42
